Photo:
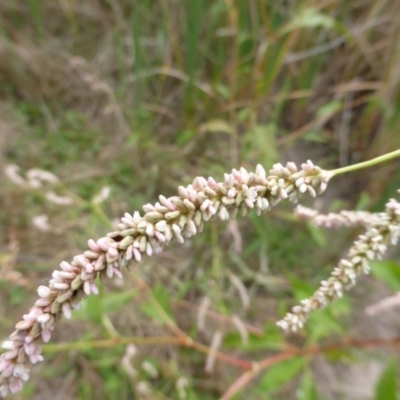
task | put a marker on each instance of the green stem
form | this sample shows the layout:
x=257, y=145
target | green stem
x=366, y=164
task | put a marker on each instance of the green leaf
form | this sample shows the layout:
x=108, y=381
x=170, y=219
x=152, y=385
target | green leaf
x=386, y=388
x=315, y=136
x=340, y=307
x=301, y=289
x=322, y=324
x=279, y=374
x=244, y=114
x=185, y=136
x=17, y=295
x=345, y=356
x=115, y=301
x=93, y=308
x=223, y=90
x=261, y=143
x=310, y=18
x=162, y=296
x=363, y=202
x=272, y=339
x=216, y=126
x=317, y=234
x=387, y=271
x=327, y=110
x=307, y=389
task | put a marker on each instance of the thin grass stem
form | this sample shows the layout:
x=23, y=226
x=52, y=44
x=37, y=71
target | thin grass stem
x=366, y=164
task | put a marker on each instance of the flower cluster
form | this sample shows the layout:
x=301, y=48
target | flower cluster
x=173, y=218
x=34, y=177
x=334, y=220
x=383, y=229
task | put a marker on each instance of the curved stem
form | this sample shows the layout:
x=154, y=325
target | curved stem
x=153, y=341
x=366, y=164
x=260, y=366
x=248, y=376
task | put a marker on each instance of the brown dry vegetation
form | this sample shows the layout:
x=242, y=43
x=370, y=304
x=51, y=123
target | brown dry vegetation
x=143, y=96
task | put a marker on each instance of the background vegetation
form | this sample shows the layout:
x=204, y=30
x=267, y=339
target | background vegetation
x=142, y=96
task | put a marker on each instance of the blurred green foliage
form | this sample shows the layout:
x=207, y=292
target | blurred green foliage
x=142, y=97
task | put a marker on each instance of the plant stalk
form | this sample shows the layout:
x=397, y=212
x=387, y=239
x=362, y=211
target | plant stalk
x=366, y=164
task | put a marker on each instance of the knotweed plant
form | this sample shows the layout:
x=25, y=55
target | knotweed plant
x=175, y=219
x=383, y=229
